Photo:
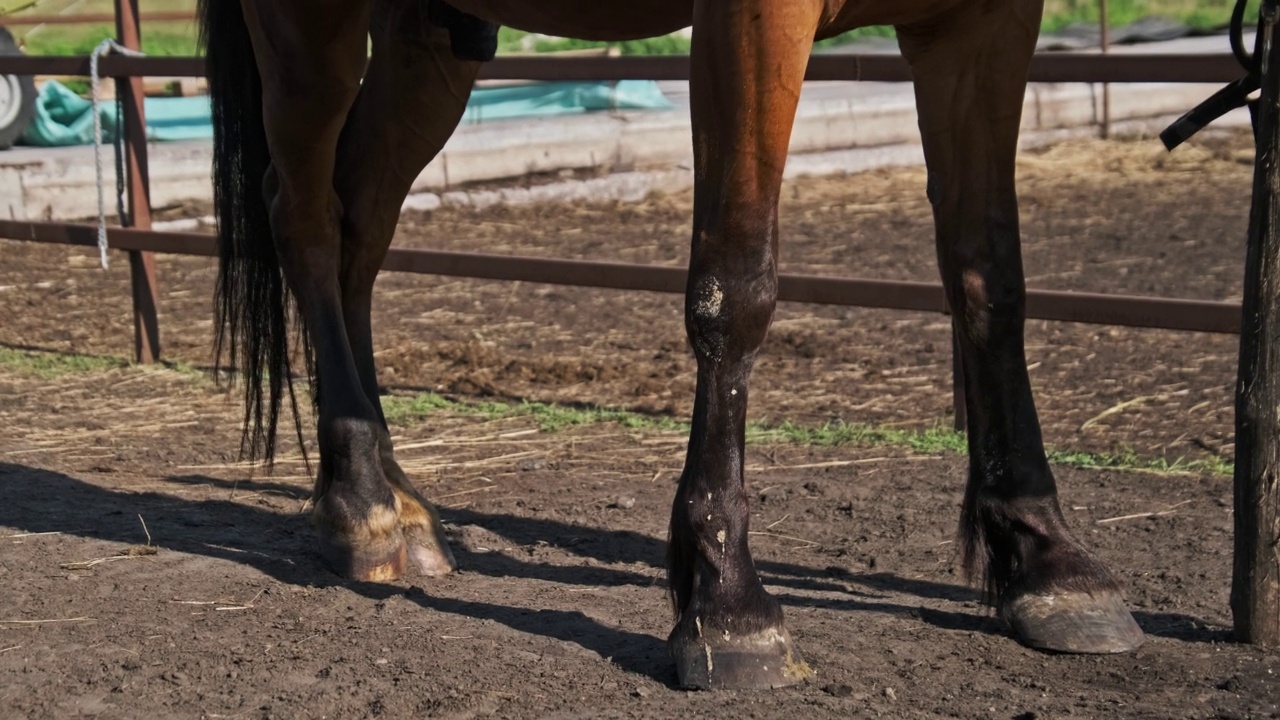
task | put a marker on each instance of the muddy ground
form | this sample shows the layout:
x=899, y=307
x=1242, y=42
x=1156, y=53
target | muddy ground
x=144, y=573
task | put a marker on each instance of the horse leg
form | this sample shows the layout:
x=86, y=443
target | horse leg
x=970, y=72
x=749, y=59
x=311, y=60
x=413, y=96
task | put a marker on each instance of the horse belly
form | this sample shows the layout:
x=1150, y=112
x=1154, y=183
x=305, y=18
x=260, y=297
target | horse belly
x=585, y=19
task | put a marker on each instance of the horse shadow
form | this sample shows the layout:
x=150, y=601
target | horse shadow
x=37, y=500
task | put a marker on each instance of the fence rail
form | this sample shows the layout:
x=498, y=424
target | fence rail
x=1050, y=67
x=1106, y=309
x=89, y=18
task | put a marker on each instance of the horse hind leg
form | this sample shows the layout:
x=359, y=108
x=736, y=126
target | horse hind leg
x=413, y=95
x=970, y=75
x=311, y=61
x=749, y=60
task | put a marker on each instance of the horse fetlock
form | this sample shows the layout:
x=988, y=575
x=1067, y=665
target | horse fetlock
x=1051, y=590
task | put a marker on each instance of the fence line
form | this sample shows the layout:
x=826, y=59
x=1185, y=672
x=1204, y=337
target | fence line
x=1048, y=67
x=1151, y=312
x=1128, y=310
x=89, y=18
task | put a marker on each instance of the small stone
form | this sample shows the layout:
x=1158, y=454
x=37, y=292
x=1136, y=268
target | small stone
x=838, y=690
x=891, y=693
x=380, y=661
x=531, y=464
x=640, y=692
x=623, y=503
x=1231, y=684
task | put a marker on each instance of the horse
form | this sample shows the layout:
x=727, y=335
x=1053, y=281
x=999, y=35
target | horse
x=326, y=110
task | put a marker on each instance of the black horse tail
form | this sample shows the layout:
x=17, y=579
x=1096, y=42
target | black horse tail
x=251, y=302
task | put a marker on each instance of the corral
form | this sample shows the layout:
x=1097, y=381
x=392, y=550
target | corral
x=793, y=441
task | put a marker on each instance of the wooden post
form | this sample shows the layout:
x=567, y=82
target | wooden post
x=1105, y=42
x=1255, y=587
x=142, y=265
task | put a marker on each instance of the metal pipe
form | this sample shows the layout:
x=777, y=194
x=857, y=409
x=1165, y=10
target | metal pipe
x=1104, y=309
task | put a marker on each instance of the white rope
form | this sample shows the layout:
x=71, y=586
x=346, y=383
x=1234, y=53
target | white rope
x=104, y=48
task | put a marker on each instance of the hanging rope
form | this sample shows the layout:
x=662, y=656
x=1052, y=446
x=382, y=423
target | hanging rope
x=106, y=47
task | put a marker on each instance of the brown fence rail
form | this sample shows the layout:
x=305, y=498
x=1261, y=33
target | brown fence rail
x=89, y=18
x=1128, y=310
x=1053, y=67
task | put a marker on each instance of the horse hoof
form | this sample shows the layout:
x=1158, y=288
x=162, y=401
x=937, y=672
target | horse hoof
x=760, y=661
x=381, y=561
x=429, y=553
x=1074, y=622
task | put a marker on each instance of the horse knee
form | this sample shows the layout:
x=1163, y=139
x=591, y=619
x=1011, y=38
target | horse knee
x=987, y=303
x=728, y=311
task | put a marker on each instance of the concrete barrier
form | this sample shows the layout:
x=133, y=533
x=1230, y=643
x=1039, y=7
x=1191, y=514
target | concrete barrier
x=59, y=183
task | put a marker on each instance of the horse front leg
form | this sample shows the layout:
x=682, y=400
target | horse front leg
x=413, y=95
x=970, y=75
x=748, y=66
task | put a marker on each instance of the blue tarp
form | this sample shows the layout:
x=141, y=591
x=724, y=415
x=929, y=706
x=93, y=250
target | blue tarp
x=64, y=118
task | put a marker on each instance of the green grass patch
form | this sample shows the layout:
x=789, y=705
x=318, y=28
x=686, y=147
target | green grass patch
x=404, y=410
x=549, y=417
x=51, y=364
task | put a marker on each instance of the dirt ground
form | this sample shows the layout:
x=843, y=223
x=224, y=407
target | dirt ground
x=143, y=572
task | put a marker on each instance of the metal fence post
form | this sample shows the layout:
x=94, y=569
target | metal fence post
x=1105, y=42
x=142, y=265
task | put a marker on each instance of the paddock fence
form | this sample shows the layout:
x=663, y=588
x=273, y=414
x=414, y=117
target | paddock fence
x=141, y=243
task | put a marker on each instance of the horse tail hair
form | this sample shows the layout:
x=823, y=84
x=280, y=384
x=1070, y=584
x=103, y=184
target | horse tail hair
x=252, y=306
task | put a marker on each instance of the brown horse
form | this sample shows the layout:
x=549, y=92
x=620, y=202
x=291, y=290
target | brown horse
x=316, y=147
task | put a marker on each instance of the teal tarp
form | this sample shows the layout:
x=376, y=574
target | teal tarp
x=64, y=118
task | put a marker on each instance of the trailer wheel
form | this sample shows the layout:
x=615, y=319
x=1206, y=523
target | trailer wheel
x=17, y=97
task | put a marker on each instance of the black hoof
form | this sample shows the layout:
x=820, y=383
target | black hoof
x=763, y=660
x=1074, y=622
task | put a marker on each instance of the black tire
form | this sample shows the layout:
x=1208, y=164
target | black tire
x=17, y=97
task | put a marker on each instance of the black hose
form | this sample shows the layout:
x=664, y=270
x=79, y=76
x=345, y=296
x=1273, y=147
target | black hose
x=1243, y=56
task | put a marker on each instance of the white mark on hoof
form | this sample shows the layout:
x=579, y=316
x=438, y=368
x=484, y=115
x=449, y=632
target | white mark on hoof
x=710, y=298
